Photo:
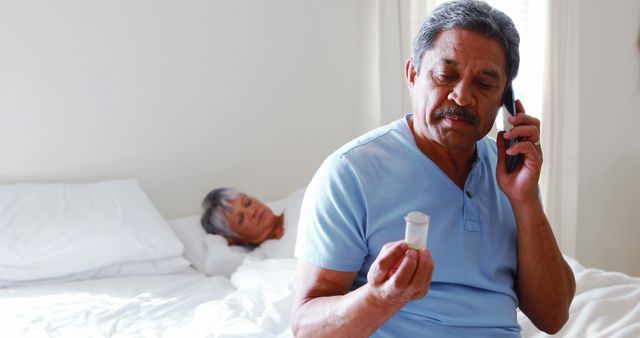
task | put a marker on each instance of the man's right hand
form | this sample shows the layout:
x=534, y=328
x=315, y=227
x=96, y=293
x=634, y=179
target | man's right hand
x=399, y=274
x=325, y=306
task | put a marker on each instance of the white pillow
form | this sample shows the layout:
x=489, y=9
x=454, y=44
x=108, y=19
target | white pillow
x=57, y=230
x=192, y=236
x=159, y=266
x=222, y=259
x=211, y=255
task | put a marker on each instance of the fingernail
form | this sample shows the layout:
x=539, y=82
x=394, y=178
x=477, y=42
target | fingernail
x=412, y=254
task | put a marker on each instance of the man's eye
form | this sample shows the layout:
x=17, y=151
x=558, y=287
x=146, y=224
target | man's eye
x=485, y=85
x=247, y=202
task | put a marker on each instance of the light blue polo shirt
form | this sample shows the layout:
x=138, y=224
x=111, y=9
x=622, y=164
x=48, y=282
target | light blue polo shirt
x=357, y=200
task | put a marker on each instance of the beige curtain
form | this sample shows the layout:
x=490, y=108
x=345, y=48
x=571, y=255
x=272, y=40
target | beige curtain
x=560, y=133
x=397, y=22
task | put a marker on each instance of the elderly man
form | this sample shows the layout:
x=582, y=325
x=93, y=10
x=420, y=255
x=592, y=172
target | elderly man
x=491, y=248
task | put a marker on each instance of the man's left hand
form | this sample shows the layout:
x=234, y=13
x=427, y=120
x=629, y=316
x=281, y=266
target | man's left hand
x=522, y=183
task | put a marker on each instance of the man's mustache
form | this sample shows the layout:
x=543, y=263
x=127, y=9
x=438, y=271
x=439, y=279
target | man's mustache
x=458, y=112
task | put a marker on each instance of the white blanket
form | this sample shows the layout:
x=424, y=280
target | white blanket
x=254, y=302
x=606, y=304
x=260, y=307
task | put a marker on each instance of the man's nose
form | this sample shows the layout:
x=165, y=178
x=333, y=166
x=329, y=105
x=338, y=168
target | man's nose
x=462, y=94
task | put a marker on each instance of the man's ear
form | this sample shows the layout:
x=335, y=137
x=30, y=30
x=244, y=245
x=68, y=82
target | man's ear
x=410, y=74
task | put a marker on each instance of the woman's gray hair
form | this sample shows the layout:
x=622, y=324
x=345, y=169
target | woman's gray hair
x=472, y=15
x=215, y=205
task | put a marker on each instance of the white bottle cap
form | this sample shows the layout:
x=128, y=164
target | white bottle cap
x=416, y=229
x=417, y=217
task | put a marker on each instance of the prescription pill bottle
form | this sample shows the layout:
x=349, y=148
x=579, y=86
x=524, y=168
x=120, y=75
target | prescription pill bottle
x=416, y=230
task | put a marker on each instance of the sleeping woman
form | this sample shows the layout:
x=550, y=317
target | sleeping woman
x=241, y=219
x=244, y=220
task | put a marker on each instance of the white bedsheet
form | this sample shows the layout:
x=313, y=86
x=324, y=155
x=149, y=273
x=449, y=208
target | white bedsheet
x=254, y=302
x=606, y=304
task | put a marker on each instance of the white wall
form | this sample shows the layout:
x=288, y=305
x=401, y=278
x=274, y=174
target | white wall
x=191, y=95
x=608, y=233
x=183, y=95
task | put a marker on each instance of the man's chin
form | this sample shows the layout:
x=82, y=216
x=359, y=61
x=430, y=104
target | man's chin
x=455, y=139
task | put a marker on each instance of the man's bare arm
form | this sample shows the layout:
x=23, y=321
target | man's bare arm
x=324, y=306
x=354, y=314
x=545, y=283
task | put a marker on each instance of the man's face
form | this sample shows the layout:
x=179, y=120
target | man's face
x=252, y=220
x=464, y=70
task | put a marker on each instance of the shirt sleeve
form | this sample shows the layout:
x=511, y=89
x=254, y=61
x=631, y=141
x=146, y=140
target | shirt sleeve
x=331, y=227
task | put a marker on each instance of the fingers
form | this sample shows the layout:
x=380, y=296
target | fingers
x=524, y=119
x=526, y=127
x=528, y=132
x=520, y=110
x=410, y=281
x=413, y=277
x=389, y=255
x=423, y=273
x=528, y=149
x=406, y=270
x=519, y=107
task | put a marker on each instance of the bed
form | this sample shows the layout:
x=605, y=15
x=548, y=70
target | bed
x=186, y=304
x=191, y=296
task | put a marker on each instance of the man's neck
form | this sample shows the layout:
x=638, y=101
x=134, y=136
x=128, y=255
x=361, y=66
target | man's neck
x=455, y=163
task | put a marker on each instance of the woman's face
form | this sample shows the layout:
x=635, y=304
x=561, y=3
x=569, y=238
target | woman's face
x=252, y=220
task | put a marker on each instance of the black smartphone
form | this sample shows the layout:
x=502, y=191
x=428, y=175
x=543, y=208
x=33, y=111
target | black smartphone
x=509, y=102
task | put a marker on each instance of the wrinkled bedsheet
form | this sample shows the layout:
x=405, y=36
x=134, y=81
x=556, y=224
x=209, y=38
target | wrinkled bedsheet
x=254, y=302
x=606, y=304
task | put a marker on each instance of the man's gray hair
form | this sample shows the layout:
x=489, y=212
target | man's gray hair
x=472, y=15
x=215, y=205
